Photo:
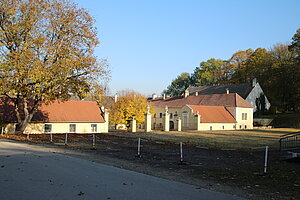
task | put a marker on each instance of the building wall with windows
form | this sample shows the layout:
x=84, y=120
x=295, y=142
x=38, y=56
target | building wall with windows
x=158, y=117
x=216, y=111
x=244, y=118
x=189, y=120
x=59, y=117
x=56, y=127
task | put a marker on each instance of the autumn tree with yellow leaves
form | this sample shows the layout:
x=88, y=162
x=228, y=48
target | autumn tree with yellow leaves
x=46, y=53
x=129, y=104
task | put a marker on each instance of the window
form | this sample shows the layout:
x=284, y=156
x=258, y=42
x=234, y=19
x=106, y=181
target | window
x=48, y=128
x=94, y=128
x=160, y=115
x=245, y=126
x=171, y=115
x=234, y=126
x=185, y=119
x=155, y=115
x=223, y=127
x=72, y=128
x=244, y=116
x=240, y=126
x=210, y=128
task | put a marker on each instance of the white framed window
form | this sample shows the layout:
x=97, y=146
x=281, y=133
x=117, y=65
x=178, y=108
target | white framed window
x=48, y=128
x=211, y=128
x=244, y=116
x=72, y=128
x=94, y=128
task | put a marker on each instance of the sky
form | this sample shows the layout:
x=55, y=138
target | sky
x=148, y=43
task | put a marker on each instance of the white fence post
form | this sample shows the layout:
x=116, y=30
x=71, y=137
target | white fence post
x=66, y=139
x=266, y=160
x=51, y=138
x=2, y=131
x=139, y=148
x=94, y=140
x=181, y=153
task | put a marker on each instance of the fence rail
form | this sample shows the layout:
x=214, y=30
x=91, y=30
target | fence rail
x=290, y=141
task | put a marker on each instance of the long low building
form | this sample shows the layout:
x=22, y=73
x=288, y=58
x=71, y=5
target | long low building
x=203, y=112
x=58, y=117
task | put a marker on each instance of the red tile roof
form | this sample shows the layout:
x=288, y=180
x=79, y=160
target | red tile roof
x=213, y=114
x=227, y=100
x=57, y=111
x=70, y=111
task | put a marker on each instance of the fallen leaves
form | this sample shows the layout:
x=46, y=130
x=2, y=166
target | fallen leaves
x=80, y=193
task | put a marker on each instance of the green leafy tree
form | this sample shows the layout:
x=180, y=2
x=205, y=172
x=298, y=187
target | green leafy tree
x=178, y=85
x=209, y=72
x=46, y=53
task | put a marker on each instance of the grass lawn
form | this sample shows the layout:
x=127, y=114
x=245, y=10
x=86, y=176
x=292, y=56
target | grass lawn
x=218, y=139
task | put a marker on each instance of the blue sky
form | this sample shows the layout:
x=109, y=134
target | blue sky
x=149, y=43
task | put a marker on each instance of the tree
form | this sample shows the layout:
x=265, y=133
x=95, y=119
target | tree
x=295, y=47
x=284, y=77
x=130, y=104
x=209, y=72
x=237, y=65
x=178, y=85
x=46, y=53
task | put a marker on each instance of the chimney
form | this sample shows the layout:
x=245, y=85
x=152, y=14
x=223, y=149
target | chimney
x=154, y=96
x=254, y=81
x=164, y=97
x=116, y=97
x=227, y=91
x=186, y=93
x=196, y=94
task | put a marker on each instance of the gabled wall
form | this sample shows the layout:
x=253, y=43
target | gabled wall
x=255, y=94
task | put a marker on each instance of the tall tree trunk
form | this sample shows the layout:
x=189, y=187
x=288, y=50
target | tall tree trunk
x=28, y=114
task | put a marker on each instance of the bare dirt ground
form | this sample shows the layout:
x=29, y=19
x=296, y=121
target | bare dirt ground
x=238, y=172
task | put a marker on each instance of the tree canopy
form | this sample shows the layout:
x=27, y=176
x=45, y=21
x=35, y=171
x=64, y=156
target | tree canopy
x=178, y=85
x=129, y=104
x=46, y=53
x=208, y=73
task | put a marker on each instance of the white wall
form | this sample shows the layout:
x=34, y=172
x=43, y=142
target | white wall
x=244, y=124
x=38, y=128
